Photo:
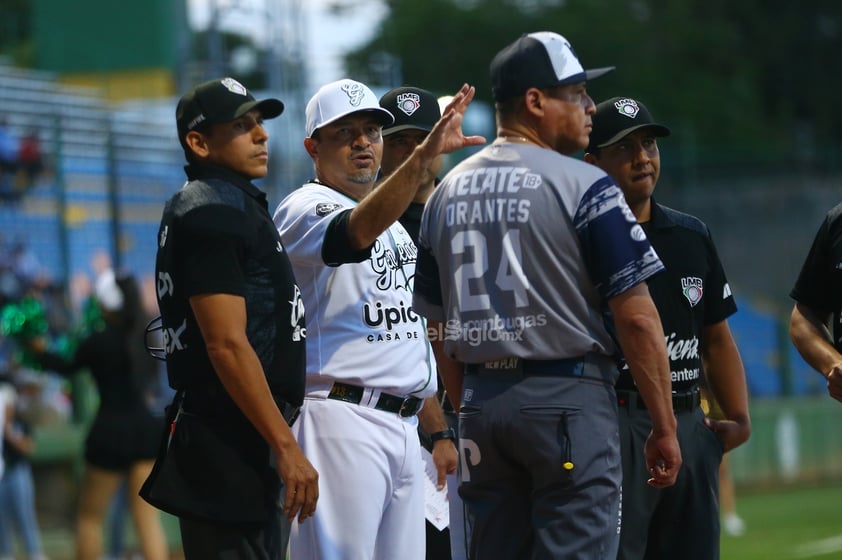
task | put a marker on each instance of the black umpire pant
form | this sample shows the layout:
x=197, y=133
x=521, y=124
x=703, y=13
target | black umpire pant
x=202, y=540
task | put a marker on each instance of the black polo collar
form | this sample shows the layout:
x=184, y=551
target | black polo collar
x=203, y=172
x=658, y=219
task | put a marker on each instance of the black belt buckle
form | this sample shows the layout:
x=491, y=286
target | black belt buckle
x=687, y=401
x=403, y=406
x=409, y=407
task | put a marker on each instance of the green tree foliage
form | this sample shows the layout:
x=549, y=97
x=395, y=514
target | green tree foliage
x=16, y=30
x=228, y=44
x=441, y=43
x=755, y=77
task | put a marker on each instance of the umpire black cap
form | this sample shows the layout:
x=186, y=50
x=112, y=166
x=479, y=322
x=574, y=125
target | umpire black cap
x=413, y=108
x=218, y=101
x=618, y=117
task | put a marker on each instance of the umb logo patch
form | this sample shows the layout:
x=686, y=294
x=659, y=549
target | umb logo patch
x=325, y=208
x=409, y=103
x=693, y=289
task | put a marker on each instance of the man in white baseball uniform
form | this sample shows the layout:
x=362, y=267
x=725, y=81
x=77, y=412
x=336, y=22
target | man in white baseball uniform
x=368, y=365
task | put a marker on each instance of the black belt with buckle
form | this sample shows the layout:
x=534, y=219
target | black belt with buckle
x=402, y=406
x=681, y=402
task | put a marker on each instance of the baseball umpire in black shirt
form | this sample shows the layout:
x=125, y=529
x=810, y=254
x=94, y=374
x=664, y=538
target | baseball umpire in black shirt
x=234, y=337
x=694, y=301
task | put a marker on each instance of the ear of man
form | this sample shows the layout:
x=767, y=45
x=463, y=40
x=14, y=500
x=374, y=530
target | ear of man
x=312, y=146
x=534, y=100
x=197, y=142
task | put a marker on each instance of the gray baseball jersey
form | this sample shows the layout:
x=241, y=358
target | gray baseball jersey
x=518, y=249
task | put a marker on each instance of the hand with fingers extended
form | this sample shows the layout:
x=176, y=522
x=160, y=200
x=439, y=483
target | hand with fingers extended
x=301, y=483
x=447, y=136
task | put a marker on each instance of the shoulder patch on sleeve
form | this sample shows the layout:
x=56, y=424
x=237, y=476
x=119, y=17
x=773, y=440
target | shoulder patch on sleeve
x=325, y=208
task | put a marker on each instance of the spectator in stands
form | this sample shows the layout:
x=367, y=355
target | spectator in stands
x=7, y=397
x=30, y=161
x=17, y=489
x=24, y=263
x=8, y=160
x=11, y=288
x=123, y=439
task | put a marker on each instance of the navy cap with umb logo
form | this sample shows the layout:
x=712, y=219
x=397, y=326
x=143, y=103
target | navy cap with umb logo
x=540, y=60
x=414, y=109
x=618, y=117
x=219, y=101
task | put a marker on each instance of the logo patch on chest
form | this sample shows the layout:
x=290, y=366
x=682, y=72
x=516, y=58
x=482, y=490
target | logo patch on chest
x=693, y=289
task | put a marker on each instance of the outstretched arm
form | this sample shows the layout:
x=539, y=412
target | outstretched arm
x=390, y=199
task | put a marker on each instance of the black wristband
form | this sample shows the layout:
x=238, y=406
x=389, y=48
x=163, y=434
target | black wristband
x=449, y=433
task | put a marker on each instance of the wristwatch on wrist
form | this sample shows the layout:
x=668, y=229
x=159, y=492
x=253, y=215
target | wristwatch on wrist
x=449, y=433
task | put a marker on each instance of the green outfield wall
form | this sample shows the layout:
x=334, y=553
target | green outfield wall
x=793, y=440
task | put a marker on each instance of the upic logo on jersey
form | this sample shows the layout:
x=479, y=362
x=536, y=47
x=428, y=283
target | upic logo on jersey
x=377, y=315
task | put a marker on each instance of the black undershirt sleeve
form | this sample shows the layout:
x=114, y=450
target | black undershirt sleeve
x=336, y=248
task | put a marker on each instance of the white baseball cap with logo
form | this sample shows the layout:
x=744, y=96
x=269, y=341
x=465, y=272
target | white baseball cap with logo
x=339, y=99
